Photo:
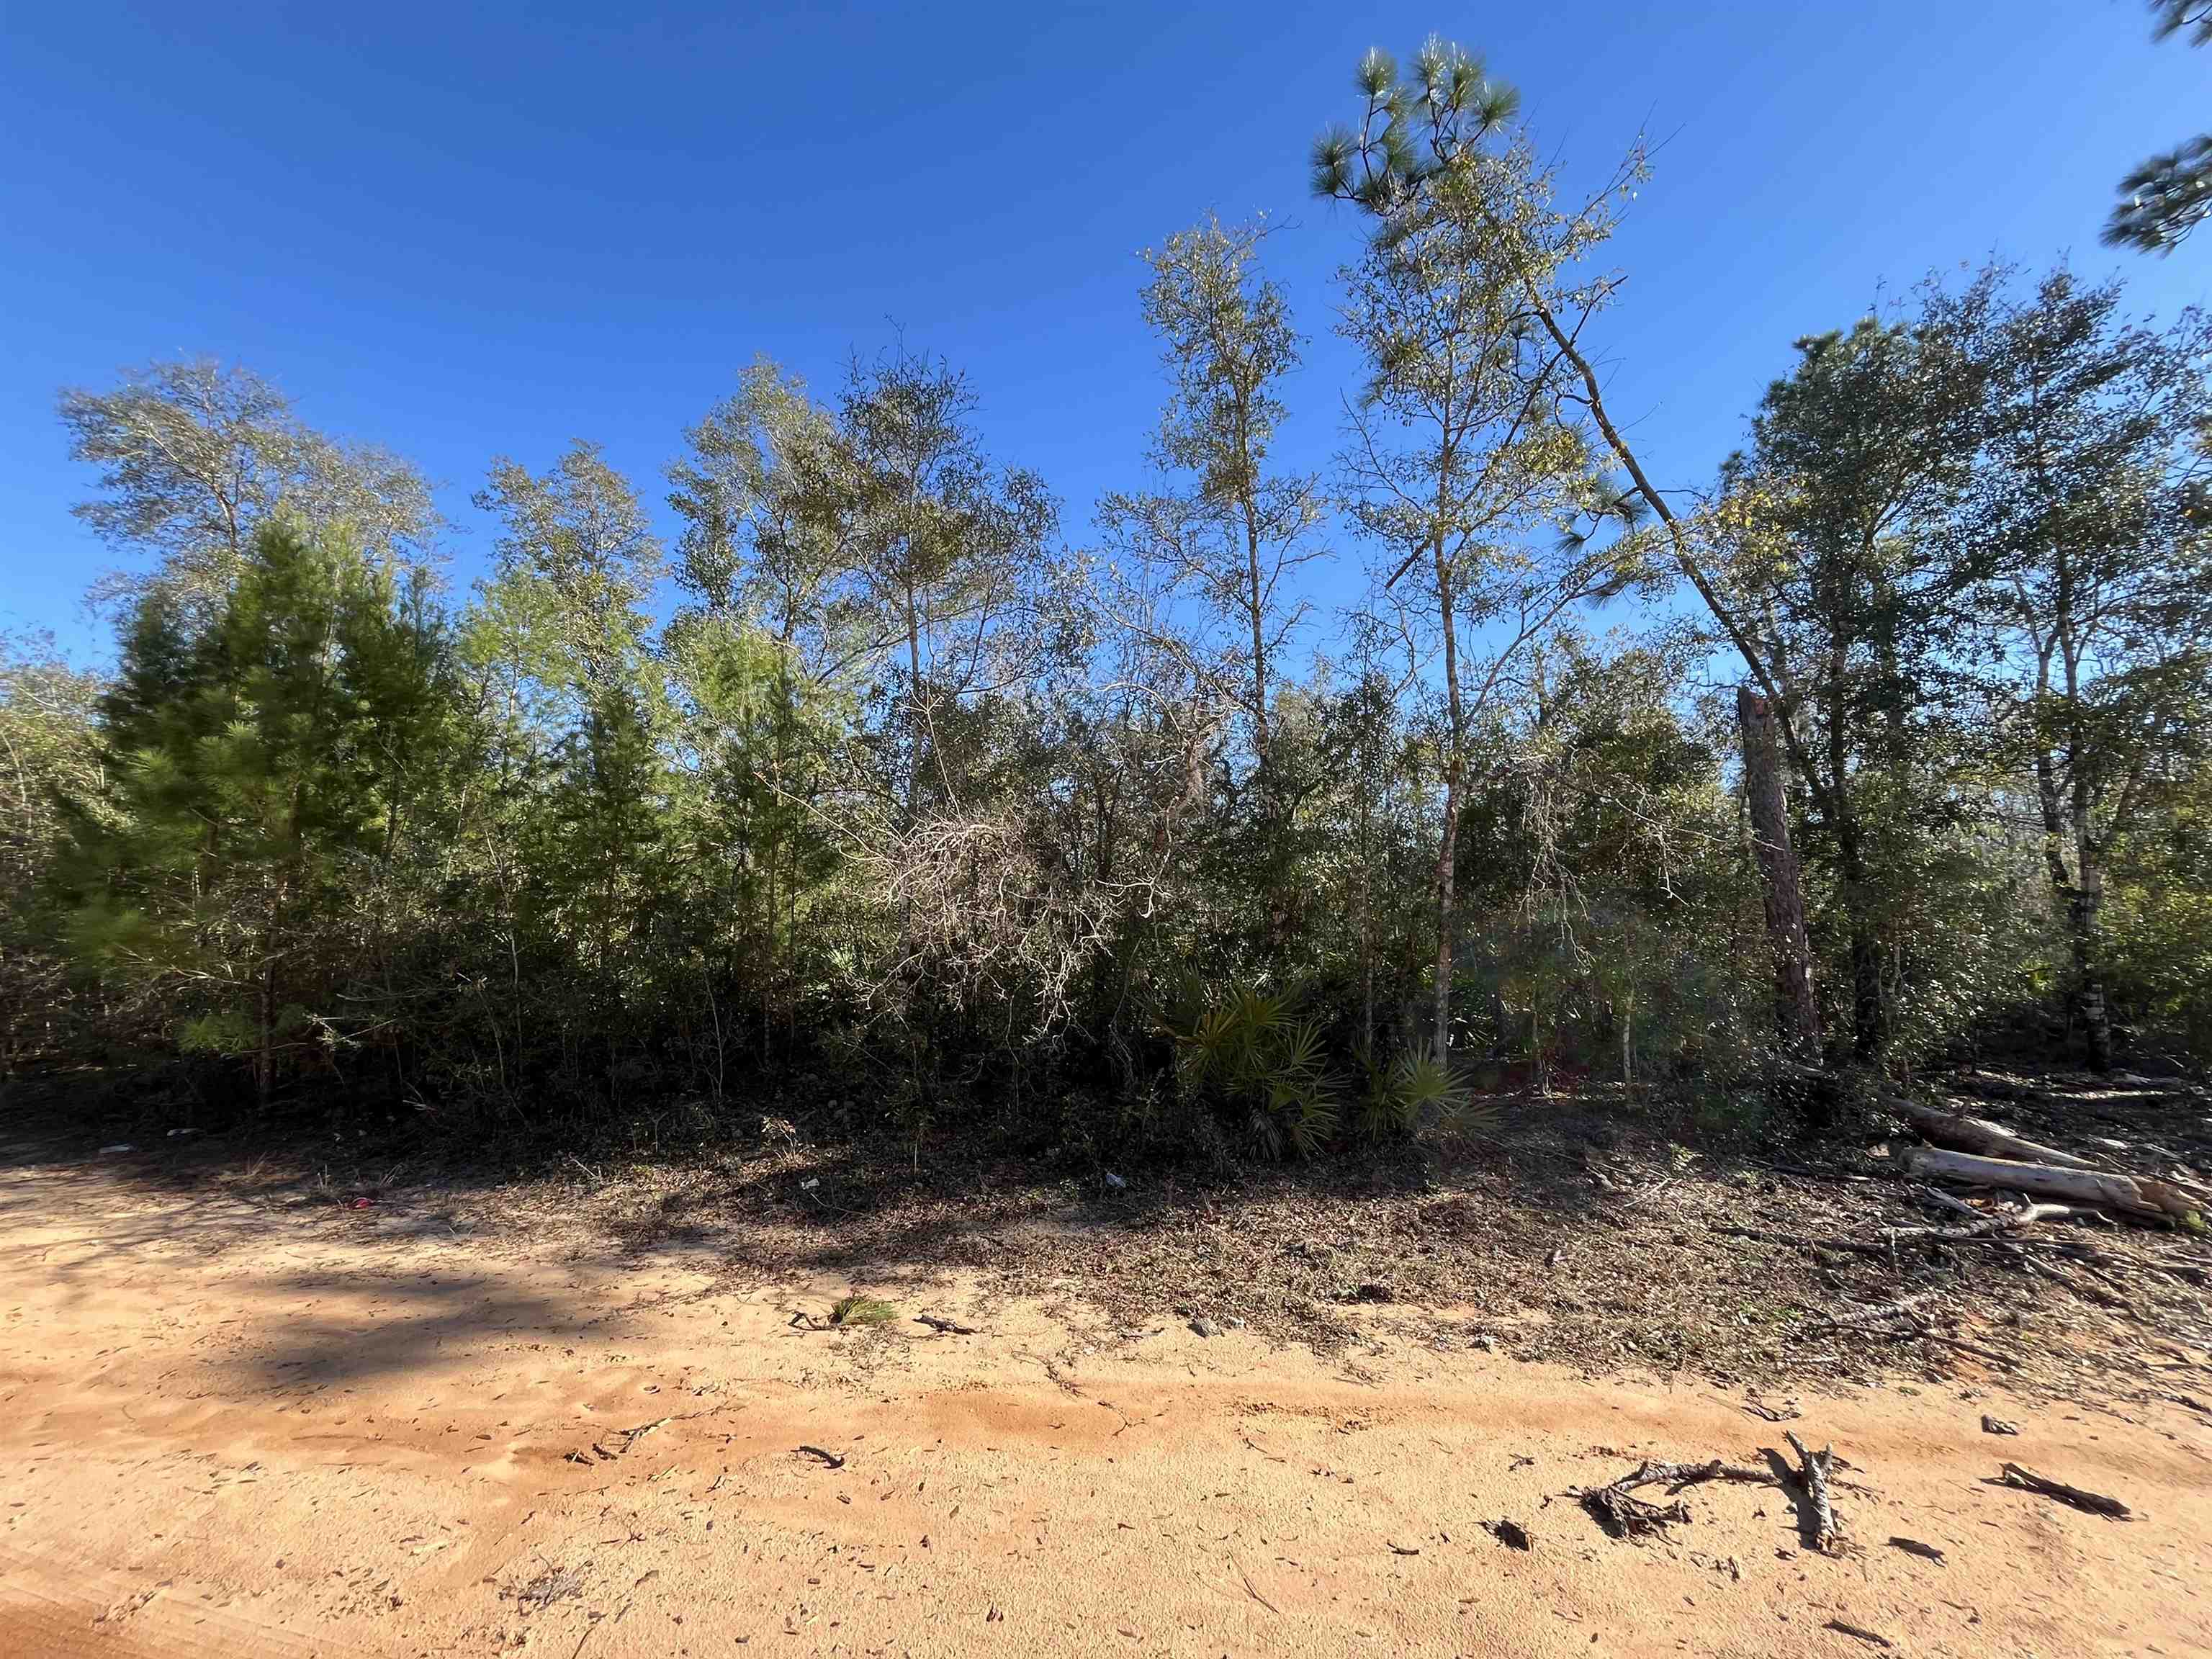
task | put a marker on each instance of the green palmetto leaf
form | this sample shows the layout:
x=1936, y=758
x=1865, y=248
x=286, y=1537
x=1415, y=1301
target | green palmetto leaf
x=1300, y=1052
x=1313, y=1125
x=1420, y=1080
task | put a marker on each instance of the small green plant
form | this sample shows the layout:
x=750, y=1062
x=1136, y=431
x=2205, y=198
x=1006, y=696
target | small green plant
x=1245, y=1050
x=850, y=1310
x=1399, y=1096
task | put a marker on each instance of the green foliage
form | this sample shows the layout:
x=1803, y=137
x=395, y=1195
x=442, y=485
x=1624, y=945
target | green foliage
x=196, y=457
x=2161, y=921
x=48, y=753
x=868, y=789
x=263, y=774
x=2170, y=195
x=850, y=1312
x=1249, y=1052
x=1415, y=1089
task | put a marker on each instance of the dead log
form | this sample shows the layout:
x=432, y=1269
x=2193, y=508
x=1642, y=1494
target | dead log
x=1975, y=1134
x=1624, y=1516
x=1812, y=1471
x=2095, y=1503
x=2141, y=1196
x=1621, y=1513
x=1995, y=1085
x=1989, y=1230
x=1922, y=1332
x=1857, y=1318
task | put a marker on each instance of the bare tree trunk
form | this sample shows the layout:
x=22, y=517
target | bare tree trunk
x=1455, y=769
x=265, y=1052
x=2083, y=927
x=1628, y=1006
x=1797, y=1011
x=1366, y=934
x=1446, y=851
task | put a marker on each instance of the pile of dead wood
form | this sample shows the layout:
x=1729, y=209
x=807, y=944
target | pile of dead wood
x=1964, y=1152
x=1973, y=1152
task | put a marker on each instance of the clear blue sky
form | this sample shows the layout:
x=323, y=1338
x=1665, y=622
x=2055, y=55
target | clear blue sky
x=468, y=230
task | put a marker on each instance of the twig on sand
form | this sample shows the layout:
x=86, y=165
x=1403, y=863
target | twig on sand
x=1859, y=1631
x=627, y=1437
x=830, y=1459
x=1250, y=1589
x=2095, y=1503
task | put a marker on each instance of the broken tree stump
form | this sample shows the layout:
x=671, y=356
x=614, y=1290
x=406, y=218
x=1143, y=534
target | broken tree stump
x=1812, y=1473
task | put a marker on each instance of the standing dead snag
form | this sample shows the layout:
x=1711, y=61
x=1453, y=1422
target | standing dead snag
x=1812, y=1473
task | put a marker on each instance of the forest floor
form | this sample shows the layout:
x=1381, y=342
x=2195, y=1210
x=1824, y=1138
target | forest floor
x=259, y=1405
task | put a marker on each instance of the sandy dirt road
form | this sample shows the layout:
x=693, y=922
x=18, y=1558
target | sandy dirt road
x=230, y=1429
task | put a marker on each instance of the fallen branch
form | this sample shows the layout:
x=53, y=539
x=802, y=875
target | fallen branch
x=1976, y=1134
x=945, y=1327
x=625, y=1438
x=1922, y=1332
x=2083, y=1288
x=1622, y=1513
x=1812, y=1473
x=1860, y=1631
x=1626, y=1516
x=2094, y=1503
x=2142, y=1196
x=829, y=1460
x=1989, y=1230
x=1857, y=1318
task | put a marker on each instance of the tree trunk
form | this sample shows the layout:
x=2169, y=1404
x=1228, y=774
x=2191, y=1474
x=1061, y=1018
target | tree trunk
x=2083, y=928
x=1455, y=770
x=1866, y=993
x=1797, y=1010
x=1447, y=850
x=264, y=1049
x=2089, y=976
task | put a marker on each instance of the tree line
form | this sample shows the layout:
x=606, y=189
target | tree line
x=1890, y=737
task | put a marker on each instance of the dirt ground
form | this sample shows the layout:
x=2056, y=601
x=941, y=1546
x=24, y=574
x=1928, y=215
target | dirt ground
x=243, y=1417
